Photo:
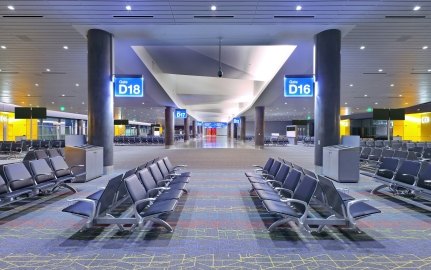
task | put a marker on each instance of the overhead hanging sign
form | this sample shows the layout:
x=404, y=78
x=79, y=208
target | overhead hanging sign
x=180, y=113
x=128, y=86
x=297, y=86
x=237, y=120
x=215, y=124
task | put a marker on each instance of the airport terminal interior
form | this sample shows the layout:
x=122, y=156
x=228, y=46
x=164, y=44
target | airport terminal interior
x=215, y=134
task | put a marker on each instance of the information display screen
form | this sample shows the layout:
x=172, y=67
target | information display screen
x=128, y=86
x=22, y=112
x=215, y=124
x=121, y=122
x=180, y=113
x=397, y=114
x=380, y=114
x=237, y=120
x=38, y=113
x=297, y=86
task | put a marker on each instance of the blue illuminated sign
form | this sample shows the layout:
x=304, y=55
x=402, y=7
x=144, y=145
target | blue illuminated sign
x=199, y=123
x=298, y=86
x=215, y=124
x=180, y=113
x=237, y=120
x=128, y=87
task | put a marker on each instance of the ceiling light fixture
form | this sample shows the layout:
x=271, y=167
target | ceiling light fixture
x=11, y=7
x=380, y=70
x=66, y=47
x=3, y=47
x=424, y=47
x=48, y=70
x=36, y=84
x=392, y=85
x=128, y=7
x=429, y=70
x=220, y=71
x=298, y=8
x=213, y=7
x=362, y=47
x=365, y=95
x=376, y=103
x=351, y=85
x=63, y=95
x=345, y=103
x=416, y=8
x=400, y=95
x=77, y=84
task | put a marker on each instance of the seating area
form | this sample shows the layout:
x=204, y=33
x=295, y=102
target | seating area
x=16, y=150
x=296, y=194
x=35, y=177
x=145, y=193
x=144, y=140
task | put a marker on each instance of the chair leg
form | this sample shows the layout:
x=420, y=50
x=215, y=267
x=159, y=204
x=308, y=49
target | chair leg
x=68, y=187
x=279, y=223
x=378, y=188
x=162, y=223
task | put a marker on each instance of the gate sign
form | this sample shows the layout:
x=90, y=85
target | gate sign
x=237, y=120
x=215, y=124
x=298, y=86
x=180, y=113
x=128, y=87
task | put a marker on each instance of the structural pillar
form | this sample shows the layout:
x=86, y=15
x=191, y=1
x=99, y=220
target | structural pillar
x=327, y=94
x=80, y=127
x=243, y=128
x=138, y=130
x=169, y=127
x=194, y=130
x=100, y=94
x=186, y=129
x=229, y=130
x=235, y=131
x=259, y=127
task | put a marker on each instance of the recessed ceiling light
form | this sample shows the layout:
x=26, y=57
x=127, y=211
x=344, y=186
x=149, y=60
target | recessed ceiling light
x=406, y=103
x=48, y=70
x=362, y=47
x=345, y=103
x=28, y=95
x=36, y=84
x=416, y=8
x=213, y=7
x=392, y=85
x=0, y=70
x=11, y=7
x=365, y=95
x=52, y=102
x=3, y=47
x=143, y=103
x=66, y=47
x=83, y=103
x=30, y=104
x=357, y=108
x=63, y=95
x=285, y=103
x=298, y=8
x=423, y=48
x=351, y=85
x=128, y=7
x=380, y=70
x=429, y=70
x=400, y=95
x=77, y=84
x=376, y=103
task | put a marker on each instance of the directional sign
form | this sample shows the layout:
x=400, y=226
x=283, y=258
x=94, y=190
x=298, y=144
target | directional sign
x=180, y=113
x=128, y=87
x=215, y=124
x=237, y=120
x=298, y=86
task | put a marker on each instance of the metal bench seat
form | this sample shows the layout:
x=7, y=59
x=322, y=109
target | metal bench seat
x=175, y=169
x=278, y=179
x=259, y=170
x=273, y=170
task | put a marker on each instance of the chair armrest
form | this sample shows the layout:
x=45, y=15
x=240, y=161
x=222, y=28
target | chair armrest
x=158, y=188
x=91, y=202
x=427, y=182
x=142, y=201
x=273, y=181
x=345, y=190
x=257, y=166
x=284, y=189
x=266, y=176
x=174, y=174
x=294, y=201
x=180, y=166
x=44, y=174
x=349, y=205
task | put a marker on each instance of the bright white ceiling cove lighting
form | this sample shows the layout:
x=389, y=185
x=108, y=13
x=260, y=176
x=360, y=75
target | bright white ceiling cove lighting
x=298, y=8
x=128, y=7
x=213, y=7
x=416, y=8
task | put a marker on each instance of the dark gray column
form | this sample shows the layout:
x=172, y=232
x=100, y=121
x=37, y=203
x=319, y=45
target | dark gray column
x=243, y=128
x=169, y=127
x=138, y=130
x=186, y=128
x=194, y=129
x=229, y=130
x=259, y=127
x=80, y=127
x=327, y=96
x=235, y=131
x=100, y=94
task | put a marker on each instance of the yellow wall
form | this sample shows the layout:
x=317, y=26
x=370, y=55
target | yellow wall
x=119, y=130
x=345, y=127
x=415, y=127
x=17, y=127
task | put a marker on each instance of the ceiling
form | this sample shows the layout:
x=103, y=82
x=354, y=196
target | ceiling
x=36, y=32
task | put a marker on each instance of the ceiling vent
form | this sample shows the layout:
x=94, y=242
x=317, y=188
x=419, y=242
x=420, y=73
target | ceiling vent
x=53, y=72
x=9, y=72
x=421, y=73
x=214, y=17
x=22, y=16
x=133, y=16
x=374, y=73
x=293, y=17
x=405, y=17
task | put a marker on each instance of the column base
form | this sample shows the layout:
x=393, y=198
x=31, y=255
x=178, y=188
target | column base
x=258, y=147
x=169, y=146
x=108, y=169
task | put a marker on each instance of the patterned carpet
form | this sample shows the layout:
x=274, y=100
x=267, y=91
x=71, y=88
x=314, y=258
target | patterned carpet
x=217, y=226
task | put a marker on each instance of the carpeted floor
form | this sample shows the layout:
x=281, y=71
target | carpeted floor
x=217, y=226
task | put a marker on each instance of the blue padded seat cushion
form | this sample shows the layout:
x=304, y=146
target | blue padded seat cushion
x=160, y=207
x=79, y=208
x=265, y=195
x=362, y=209
x=180, y=179
x=280, y=208
x=174, y=185
x=170, y=194
x=95, y=196
x=262, y=186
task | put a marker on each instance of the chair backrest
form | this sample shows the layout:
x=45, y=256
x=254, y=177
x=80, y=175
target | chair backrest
x=129, y=173
x=60, y=166
x=387, y=153
x=161, y=164
x=155, y=172
x=61, y=151
x=17, y=176
x=412, y=156
x=331, y=196
x=41, y=154
x=427, y=153
x=6, y=146
x=41, y=170
x=108, y=195
x=168, y=164
x=388, y=167
x=292, y=180
x=268, y=164
x=365, y=152
x=309, y=173
x=53, y=152
x=17, y=146
x=408, y=171
x=3, y=186
x=274, y=168
x=147, y=179
x=282, y=173
x=297, y=167
x=142, y=166
x=304, y=192
x=376, y=152
x=400, y=154
x=136, y=190
x=424, y=174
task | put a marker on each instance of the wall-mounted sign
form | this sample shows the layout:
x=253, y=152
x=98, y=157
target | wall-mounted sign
x=128, y=86
x=237, y=120
x=199, y=123
x=425, y=120
x=296, y=86
x=180, y=113
x=215, y=125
